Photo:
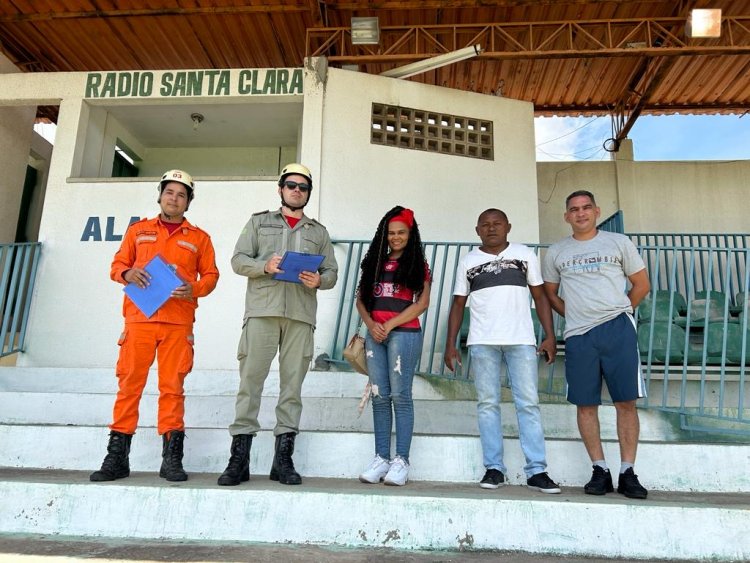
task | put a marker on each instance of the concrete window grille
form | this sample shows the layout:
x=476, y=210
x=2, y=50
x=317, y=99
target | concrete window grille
x=431, y=131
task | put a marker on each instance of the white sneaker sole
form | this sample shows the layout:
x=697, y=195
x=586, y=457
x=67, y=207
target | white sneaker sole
x=491, y=486
x=545, y=491
x=394, y=483
x=363, y=479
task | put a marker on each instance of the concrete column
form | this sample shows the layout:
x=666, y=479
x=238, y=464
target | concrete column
x=310, y=142
x=16, y=129
x=626, y=188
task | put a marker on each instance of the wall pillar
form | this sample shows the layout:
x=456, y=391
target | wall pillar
x=16, y=129
x=625, y=186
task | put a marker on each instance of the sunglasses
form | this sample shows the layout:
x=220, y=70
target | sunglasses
x=301, y=185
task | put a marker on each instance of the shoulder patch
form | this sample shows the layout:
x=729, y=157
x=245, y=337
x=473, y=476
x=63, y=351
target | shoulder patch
x=138, y=222
x=197, y=228
x=261, y=212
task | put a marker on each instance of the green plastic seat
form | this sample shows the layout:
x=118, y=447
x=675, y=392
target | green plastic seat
x=667, y=345
x=706, y=307
x=664, y=306
x=734, y=344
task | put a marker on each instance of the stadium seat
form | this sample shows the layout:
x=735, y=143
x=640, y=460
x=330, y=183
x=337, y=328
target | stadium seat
x=665, y=306
x=667, y=345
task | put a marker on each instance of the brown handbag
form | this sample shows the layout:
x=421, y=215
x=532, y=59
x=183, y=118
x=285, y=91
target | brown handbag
x=354, y=353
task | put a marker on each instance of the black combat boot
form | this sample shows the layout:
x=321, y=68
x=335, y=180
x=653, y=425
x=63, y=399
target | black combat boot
x=116, y=464
x=171, y=453
x=238, y=469
x=282, y=469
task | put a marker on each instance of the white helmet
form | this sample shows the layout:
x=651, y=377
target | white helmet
x=295, y=168
x=181, y=177
x=177, y=176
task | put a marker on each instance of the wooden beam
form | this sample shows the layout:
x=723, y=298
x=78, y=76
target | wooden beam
x=272, y=6
x=448, y=4
x=316, y=12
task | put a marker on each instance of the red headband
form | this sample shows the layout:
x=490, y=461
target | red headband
x=405, y=216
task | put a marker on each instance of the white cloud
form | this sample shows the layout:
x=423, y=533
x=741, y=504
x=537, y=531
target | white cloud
x=571, y=138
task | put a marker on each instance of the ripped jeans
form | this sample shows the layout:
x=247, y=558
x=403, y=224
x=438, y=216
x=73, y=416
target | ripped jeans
x=391, y=367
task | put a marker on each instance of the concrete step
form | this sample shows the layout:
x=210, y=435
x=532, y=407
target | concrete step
x=84, y=397
x=47, y=422
x=445, y=417
x=662, y=466
x=421, y=515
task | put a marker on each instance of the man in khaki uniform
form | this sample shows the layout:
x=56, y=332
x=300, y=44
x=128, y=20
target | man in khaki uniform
x=279, y=315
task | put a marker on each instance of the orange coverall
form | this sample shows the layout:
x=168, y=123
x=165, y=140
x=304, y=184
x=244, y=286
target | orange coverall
x=168, y=334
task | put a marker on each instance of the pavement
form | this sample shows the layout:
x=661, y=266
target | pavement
x=23, y=548
x=45, y=549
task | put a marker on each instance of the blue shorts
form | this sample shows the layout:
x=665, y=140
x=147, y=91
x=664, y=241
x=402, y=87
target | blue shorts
x=610, y=352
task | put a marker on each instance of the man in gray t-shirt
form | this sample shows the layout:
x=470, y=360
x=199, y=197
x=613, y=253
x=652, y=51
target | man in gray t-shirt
x=585, y=278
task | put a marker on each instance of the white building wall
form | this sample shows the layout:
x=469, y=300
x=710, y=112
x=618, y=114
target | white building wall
x=224, y=161
x=655, y=197
x=361, y=181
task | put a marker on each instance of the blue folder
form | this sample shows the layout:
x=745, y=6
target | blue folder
x=163, y=281
x=294, y=263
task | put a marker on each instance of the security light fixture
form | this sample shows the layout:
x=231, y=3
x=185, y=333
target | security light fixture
x=433, y=62
x=704, y=23
x=365, y=31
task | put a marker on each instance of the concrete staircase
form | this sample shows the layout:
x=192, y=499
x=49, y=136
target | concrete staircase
x=53, y=433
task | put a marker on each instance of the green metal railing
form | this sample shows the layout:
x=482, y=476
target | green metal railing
x=18, y=263
x=694, y=334
x=615, y=223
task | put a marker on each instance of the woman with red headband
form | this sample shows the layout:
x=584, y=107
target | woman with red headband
x=394, y=289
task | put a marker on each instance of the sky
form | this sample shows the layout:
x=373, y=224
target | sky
x=664, y=137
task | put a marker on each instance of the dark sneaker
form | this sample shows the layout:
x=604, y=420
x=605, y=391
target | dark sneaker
x=629, y=486
x=492, y=479
x=601, y=482
x=542, y=483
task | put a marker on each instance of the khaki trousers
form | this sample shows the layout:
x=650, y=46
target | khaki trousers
x=261, y=338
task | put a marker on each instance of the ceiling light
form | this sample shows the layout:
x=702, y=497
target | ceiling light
x=197, y=119
x=704, y=23
x=433, y=62
x=365, y=31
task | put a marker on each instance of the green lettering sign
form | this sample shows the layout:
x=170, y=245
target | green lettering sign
x=222, y=88
x=297, y=81
x=93, y=80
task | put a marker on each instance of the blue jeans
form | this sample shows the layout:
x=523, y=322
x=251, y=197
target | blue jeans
x=486, y=363
x=391, y=367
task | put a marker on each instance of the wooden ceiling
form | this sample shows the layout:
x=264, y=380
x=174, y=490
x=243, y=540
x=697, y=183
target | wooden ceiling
x=568, y=57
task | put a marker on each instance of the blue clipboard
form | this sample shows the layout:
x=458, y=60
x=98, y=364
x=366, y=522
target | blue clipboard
x=163, y=281
x=294, y=263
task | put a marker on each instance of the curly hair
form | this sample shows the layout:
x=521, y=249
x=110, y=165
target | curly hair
x=411, y=264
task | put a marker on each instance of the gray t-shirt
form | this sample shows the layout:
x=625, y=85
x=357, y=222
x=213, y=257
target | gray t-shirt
x=593, y=278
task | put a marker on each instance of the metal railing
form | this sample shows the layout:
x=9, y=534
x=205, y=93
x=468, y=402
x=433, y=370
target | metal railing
x=615, y=223
x=694, y=334
x=18, y=264
x=693, y=329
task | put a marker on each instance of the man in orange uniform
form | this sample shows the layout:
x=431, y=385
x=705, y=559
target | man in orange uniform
x=167, y=334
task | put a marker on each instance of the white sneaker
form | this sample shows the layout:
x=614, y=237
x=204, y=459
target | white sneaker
x=376, y=472
x=398, y=474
